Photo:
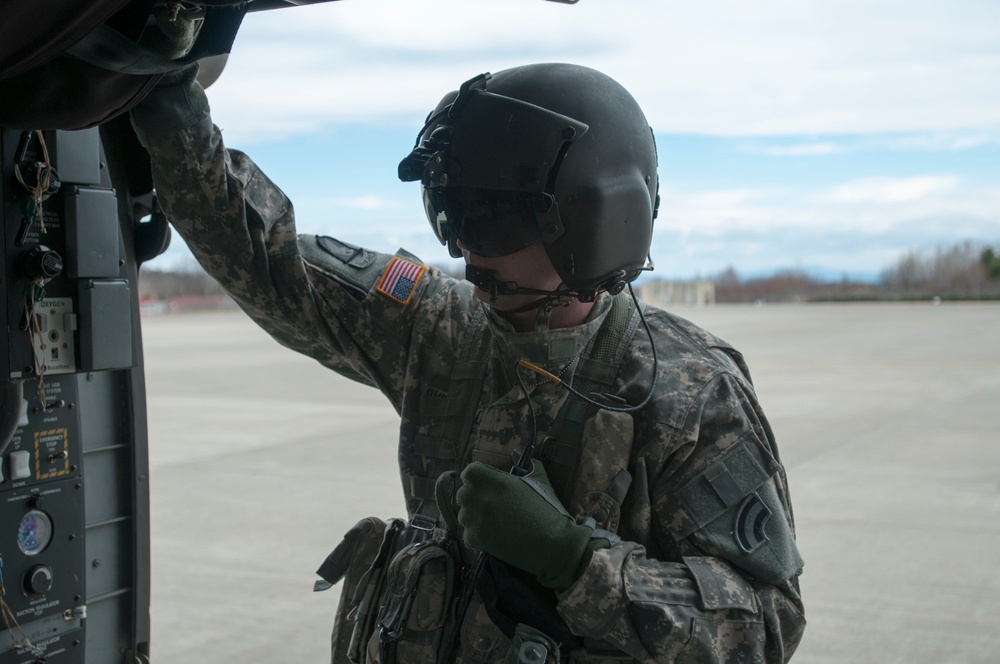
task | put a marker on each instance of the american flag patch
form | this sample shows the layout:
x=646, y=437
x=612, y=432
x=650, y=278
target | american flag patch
x=399, y=279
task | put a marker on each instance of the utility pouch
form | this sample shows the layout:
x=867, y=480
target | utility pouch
x=360, y=560
x=418, y=603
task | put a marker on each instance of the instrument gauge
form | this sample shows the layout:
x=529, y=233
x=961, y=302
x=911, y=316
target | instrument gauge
x=34, y=532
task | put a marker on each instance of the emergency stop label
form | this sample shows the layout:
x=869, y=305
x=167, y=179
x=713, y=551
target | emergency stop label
x=51, y=453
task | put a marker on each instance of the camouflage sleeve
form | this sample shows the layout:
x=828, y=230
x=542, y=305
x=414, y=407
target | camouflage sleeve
x=729, y=592
x=240, y=227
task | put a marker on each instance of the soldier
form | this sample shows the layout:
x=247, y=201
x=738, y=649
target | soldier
x=647, y=516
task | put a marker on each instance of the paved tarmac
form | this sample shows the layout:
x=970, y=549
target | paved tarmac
x=886, y=417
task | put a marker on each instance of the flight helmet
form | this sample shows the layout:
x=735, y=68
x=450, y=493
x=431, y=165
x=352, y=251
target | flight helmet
x=552, y=152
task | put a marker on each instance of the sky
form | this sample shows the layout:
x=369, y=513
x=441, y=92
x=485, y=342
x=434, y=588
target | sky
x=831, y=137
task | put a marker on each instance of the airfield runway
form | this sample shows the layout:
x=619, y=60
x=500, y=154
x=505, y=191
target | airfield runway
x=887, y=418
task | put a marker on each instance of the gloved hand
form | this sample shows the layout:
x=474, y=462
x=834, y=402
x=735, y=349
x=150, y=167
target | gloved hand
x=520, y=521
x=174, y=29
x=177, y=102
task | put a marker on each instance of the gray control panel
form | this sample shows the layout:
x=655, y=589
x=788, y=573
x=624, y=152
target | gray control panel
x=73, y=463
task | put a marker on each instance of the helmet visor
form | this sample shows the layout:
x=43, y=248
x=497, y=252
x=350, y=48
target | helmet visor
x=487, y=222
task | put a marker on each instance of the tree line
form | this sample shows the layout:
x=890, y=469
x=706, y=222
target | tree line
x=964, y=271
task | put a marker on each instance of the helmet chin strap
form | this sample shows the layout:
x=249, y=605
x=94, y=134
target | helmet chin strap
x=487, y=281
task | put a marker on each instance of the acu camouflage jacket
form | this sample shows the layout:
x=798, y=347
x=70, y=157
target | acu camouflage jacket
x=707, y=569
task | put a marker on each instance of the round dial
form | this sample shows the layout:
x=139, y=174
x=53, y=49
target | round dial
x=34, y=532
x=38, y=580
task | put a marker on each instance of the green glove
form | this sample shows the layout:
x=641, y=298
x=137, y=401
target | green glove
x=174, y=29
x=520, y=521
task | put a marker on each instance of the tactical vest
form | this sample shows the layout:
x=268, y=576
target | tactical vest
x=586, y=451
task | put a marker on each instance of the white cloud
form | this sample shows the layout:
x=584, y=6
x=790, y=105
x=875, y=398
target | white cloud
x=725, y=68
x=952, y=141
x=873, y=222
x=369, y=202
x=888, y=191
x=323, y=206
x=717, y=198
x=800, y=150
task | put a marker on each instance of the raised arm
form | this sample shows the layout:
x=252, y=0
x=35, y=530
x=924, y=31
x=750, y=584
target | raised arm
x=314, y=295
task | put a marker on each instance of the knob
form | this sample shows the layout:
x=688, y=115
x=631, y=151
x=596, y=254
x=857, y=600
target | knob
x=42, y=262
x=38, y=580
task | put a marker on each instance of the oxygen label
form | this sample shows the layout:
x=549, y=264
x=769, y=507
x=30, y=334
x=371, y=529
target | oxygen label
x=54, y=349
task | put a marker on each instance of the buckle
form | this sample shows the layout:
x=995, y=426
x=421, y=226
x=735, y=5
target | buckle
x=423, y=522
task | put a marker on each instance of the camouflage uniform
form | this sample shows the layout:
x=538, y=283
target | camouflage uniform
x=681, y=585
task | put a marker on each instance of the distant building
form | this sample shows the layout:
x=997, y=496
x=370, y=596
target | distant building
x=673, y=293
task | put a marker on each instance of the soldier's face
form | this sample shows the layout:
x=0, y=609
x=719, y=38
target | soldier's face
x=529, y=267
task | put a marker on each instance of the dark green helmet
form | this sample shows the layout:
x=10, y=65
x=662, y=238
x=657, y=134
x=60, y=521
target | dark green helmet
x=552, y=152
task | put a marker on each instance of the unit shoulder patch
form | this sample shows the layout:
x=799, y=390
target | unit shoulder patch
x=400, y=279
x=750, y=521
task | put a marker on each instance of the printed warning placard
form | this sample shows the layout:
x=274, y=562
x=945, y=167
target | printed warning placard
x=51, y=453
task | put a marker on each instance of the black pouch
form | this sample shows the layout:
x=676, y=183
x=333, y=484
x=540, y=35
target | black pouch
x=514, y=598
